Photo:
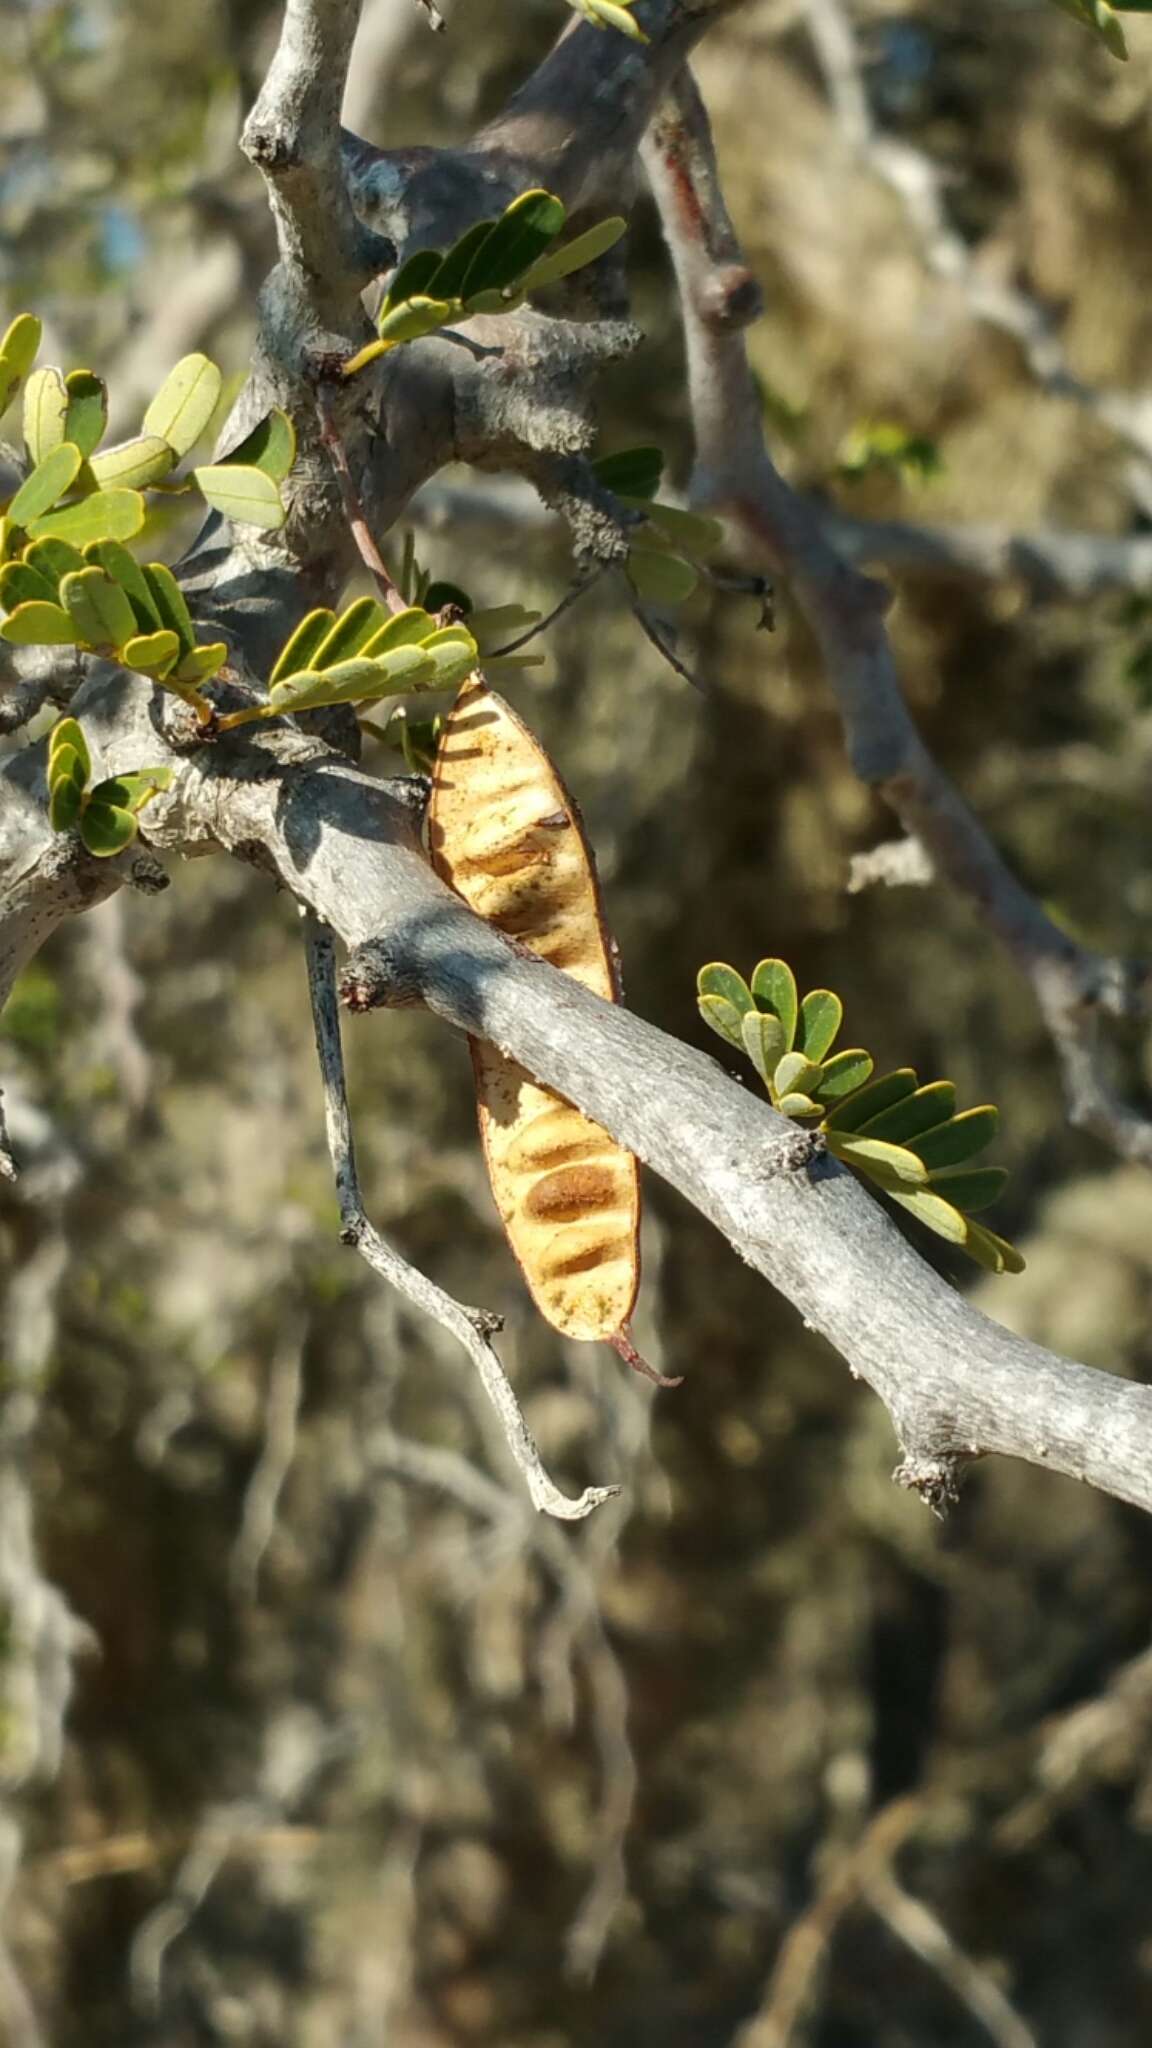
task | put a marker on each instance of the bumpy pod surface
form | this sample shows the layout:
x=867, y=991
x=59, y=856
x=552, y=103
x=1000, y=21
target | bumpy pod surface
x=506, y=835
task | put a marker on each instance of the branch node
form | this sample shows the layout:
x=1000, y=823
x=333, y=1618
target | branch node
x=934, y=1475
x=373, y=979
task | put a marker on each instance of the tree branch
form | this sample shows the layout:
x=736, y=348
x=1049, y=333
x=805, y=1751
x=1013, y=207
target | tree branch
x=734, y=474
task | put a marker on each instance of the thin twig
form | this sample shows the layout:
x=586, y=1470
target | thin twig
x=571, y=595
x=664, y=649
x=471, y=1327
x=358, y=526
x=915, y=1925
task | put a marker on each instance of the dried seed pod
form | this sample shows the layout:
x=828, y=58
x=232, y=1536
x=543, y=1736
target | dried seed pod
x=506, y=835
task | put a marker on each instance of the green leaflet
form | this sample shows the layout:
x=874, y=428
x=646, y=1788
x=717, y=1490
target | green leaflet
x=45, y=411
x=168, y=601
x=66, y=794
x=692, y=532
x=774, y=989
x=843, y=1074
x=113, y=557
x=133, y=464
x=724, y=1018
x=575, y=255
x=87, y=413
x=404, y=629
x=349, y=634
x=47, y=483
x=717, y=980
x=959, y=1139
x=353, y=682
x=22, y=584
x=130, y=792
x=99, y=609
x=447, y=279
x=416, y=317
x=975, y=1189
x=877, y=1155
x=106, y=829
x=242, y=493
x=763, y=1041
x=68, y=732
x=914, y=1114
x=821, y=1015
x=414, y=277
x=869, y=1101
x=153, y=654
x=18, y=351
x=632, y=472
x=931, y=1209
x=103, y=515
x=39, y=625
x=199, y=664
x=53, y=559
x=660, y=578
x=440, y=593
x=298, y=651
x=525, y=230
x=271, y=446
x=184, y=404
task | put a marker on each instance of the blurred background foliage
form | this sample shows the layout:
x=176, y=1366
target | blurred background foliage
x=354, y=1738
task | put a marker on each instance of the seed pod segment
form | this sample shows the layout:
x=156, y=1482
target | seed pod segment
x=504, y=832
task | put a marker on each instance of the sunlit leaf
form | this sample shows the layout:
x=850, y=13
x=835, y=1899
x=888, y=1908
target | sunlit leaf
x=130, y=792
x=133, y=464
x=243, y=494
x=793, y=1070
x=53, y=559
x=18, y=351
x=45, y=411
x=99, y=609
x=404, y=629
x=353, y=682
x=106, y=829
x=46, y=484
x=869, y=1101
x=843, y=1074
x=416, y=317
x=717, y=979
x=525, y=230
x=414, y=277
x=170, y=604
x=271, y=447
x=960, y=1139
x=821, y=1015
x=103, y=515
x=39, y=625
x=200, y=664
x=933, y=1210
x=22, y=584
x=877, y=1156
x=991, y=1251
x=153, y=654
x=298, y=652
x=87, y=414
x=184, y=404
x=773, y=988
x=116, y=561
x=575, y=255
x=763, y=1041
x=349, y=634
x=68, y=732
